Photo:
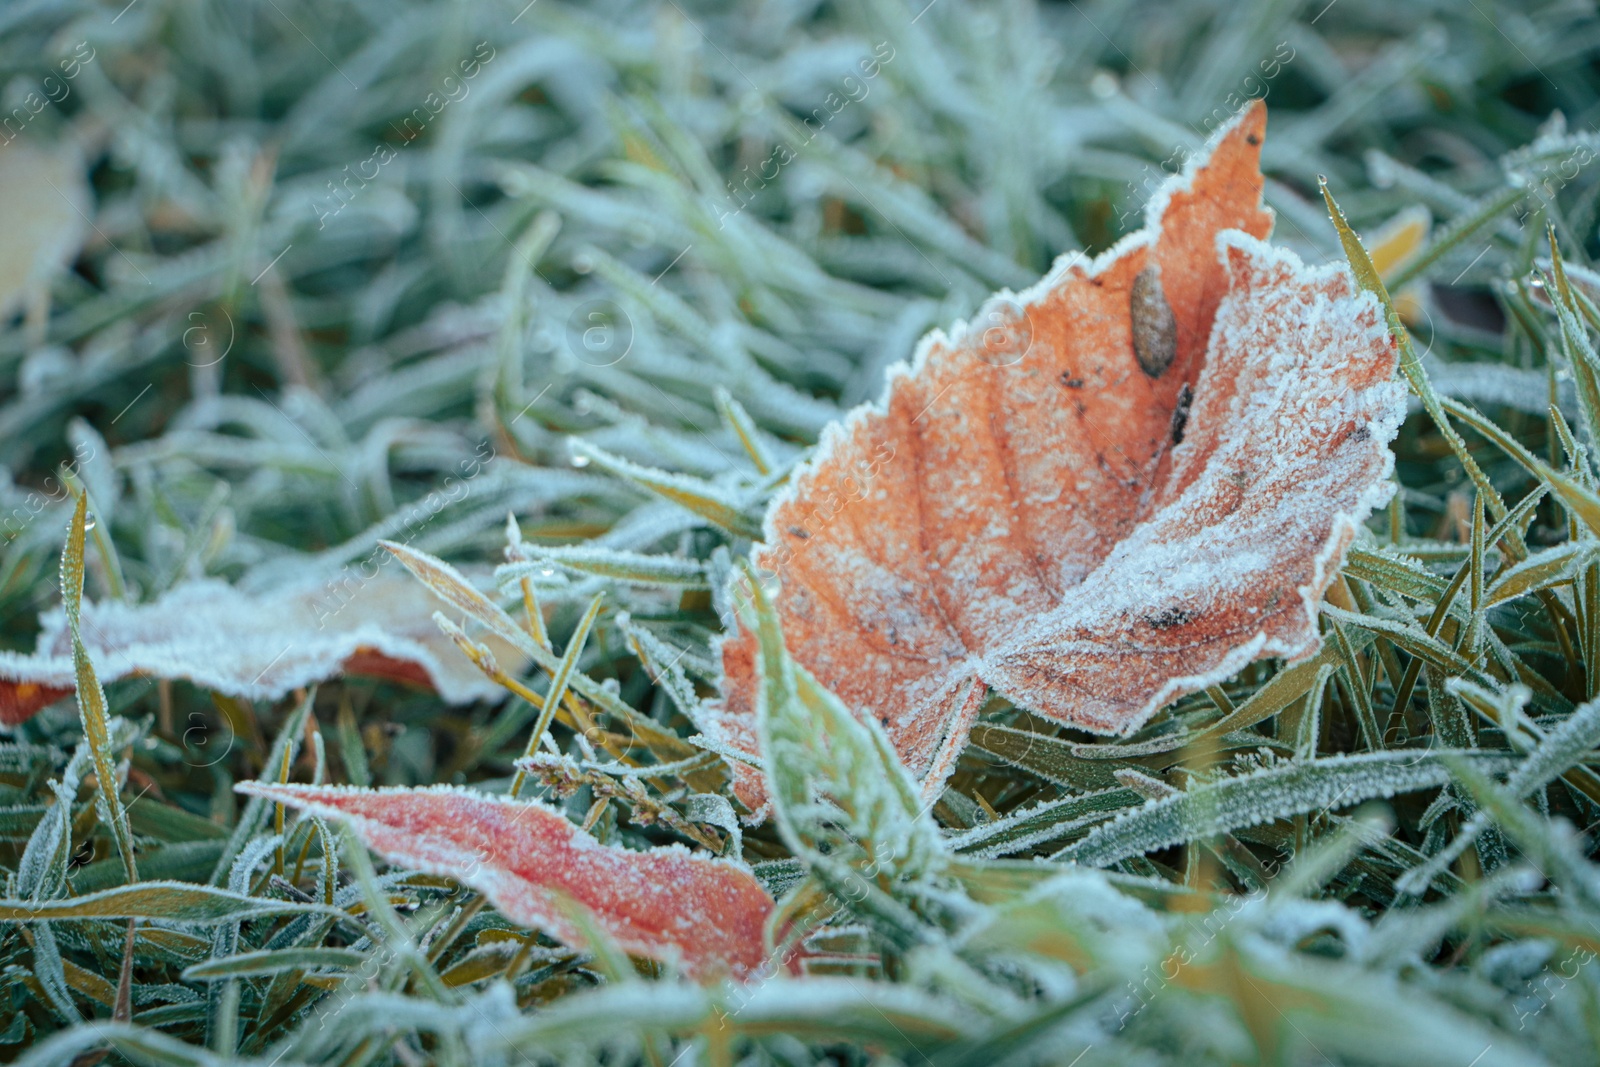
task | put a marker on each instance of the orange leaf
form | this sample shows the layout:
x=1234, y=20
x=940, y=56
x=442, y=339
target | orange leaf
x=526, y=857
x=1118, y=487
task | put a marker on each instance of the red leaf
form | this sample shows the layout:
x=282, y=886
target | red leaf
x=21, y=701
x=1118, y=487
x=525, y=855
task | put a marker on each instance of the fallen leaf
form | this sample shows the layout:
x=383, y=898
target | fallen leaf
x=1396, y=244
x=257, y=647
x=1120, y=486
x=44, y=216
x=525, y=856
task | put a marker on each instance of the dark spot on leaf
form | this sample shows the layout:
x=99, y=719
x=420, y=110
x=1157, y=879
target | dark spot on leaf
x=1167, y=618
x=1251, y=138
x=1069, y=381
x=799, y=532
x=1180, y=414
x=1155, y=331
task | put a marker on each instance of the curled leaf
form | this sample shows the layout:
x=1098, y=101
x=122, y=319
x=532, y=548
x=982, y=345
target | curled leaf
x=254, y=647
x=1120, y=486
x=531, y=862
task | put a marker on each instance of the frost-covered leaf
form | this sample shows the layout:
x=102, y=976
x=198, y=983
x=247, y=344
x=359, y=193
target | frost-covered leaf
x=530, y=861
x=1120, y=486
x=256, y=647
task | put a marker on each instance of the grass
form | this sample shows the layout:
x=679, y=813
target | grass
x=312, y=291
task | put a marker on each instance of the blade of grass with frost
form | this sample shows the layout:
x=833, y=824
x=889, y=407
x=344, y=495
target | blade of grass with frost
x=1412, y=639
x=1581, y=502
x=1048, y=757
x=448, y=584
x=1575, y=344
x=814, y=745
x=525, y=255
x=1484, y=211
x=780, y=403
x=1043, y=823
x=558, y=687
x=273, y=961
x=92, y=698
x=1391, y=569
x=1266, y=795
x=1287, y=686
x=739, y=421
x=1358, y=686
x=710, y=501
x=635, y=568
x=1566, y=747
x=1555, y=852
x=1410, y=364
x=1344, y=1012
x=254, y=816
x=50, y=970
x=843, y=801
x=662, y=662
x=183, y=902
x=530, y=599
x=1546, y=569
x=42, y=870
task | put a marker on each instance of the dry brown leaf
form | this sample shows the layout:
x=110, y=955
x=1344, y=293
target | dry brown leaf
x=1118, y=487
x=258, y=647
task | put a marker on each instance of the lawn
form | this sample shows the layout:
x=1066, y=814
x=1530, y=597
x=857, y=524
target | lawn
x=498, y=566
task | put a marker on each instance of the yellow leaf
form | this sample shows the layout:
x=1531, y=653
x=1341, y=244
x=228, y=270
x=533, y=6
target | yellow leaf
x=1397, y=243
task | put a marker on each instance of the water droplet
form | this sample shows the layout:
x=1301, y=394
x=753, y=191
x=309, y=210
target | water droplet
x=547, y=570
x=89, y=521
x=580, y=461
x=583, y=263
x=1103, y=85
x=1535, y=283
